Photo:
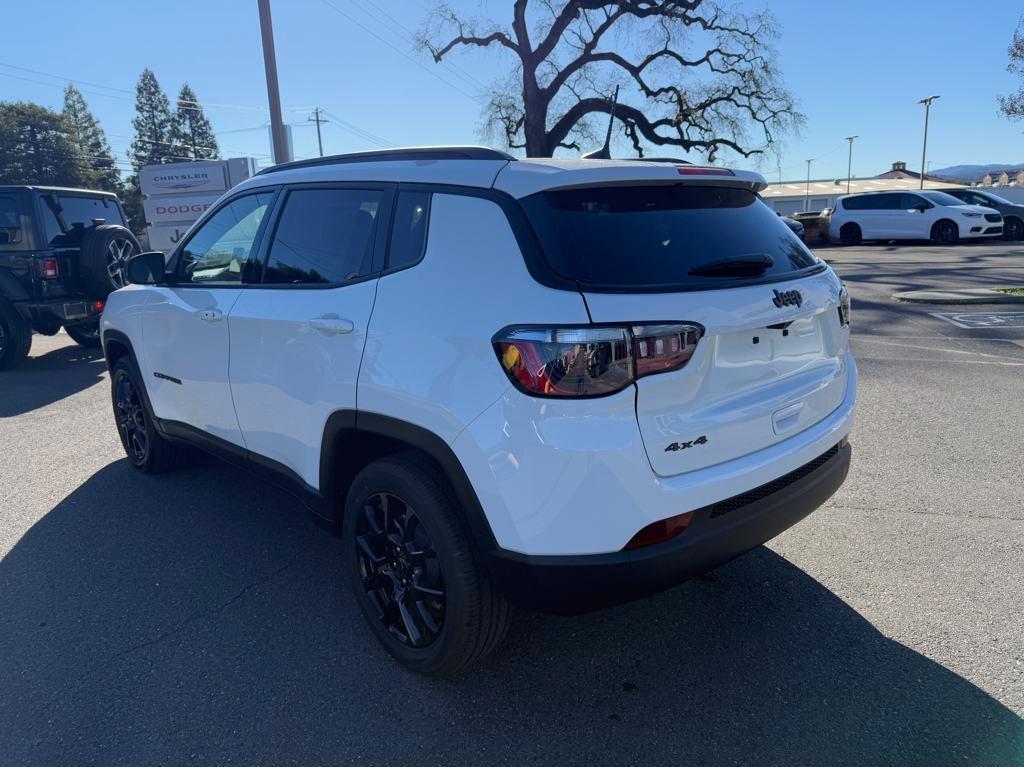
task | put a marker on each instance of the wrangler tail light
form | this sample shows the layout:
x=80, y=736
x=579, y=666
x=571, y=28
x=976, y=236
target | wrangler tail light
x=48, y=269
x=592, y=361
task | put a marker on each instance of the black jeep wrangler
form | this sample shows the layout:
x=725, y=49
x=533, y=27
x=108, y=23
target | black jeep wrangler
x=62, y=251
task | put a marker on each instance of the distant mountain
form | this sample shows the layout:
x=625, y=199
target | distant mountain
x=972, y=172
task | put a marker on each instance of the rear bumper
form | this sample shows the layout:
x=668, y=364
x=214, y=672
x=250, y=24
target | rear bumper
x=65, y=311
x=719, y=532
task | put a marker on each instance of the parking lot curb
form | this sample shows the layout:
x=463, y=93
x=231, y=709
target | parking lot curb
x=964, y=296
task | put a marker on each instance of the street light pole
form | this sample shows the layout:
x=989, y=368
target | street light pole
x=849, y=162
x=807, y=191
x=924, y=147
x=273, y=92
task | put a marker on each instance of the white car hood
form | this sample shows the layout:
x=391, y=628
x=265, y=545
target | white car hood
x=973, y=209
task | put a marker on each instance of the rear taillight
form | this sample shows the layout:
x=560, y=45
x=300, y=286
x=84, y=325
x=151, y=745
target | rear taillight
x=48, y=269
x=844, y=307
x=657, y=348
x=592, y=361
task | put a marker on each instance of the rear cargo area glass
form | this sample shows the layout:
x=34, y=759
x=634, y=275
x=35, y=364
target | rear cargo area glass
x=641, y=238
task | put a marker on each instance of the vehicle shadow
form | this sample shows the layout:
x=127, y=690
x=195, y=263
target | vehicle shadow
x=42, y=380
x=199, y=616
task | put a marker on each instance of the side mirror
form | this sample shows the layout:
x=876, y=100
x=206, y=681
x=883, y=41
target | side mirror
x=146, y=269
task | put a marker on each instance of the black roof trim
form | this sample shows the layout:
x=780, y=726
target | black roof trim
x=395, y=155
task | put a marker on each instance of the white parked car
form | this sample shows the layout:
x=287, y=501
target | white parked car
x=557, y=383
x=923, y=215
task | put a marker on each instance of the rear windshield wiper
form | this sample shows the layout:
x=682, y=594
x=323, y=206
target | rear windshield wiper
x=734, y=267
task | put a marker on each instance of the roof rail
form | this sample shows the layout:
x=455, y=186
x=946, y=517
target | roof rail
x=395, y=155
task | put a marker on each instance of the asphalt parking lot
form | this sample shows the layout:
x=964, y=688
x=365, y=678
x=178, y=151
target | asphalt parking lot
x=199, y=617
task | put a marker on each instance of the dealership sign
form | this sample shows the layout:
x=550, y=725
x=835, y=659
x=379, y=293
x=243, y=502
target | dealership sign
x=174, y=195
x=168, y=209
x=181, y=177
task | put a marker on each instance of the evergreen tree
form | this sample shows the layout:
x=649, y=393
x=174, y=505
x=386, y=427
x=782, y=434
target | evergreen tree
x=191, y=132
x=36, y=148
x=90, y=140
x=152, y=124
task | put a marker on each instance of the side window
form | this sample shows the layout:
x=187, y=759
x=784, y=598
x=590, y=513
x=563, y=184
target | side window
x=324, y=237
x=221, y=248
x=10, y=220
x=911, y=201
x=409, y=230
x=886, y=201
x=977, y=199
x=856, y=203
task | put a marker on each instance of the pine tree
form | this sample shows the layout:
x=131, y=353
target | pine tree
x=36, y=148
x=91, y=141
x=152, y=124
x=191, y=133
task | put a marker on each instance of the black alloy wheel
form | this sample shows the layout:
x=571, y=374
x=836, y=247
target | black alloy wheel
x=400, y=571
x=119, y=251
x=130, y=415
x=945, y=233
x=1013, y=229
x=850, y=234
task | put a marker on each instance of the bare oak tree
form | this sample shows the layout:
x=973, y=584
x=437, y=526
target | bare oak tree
x=1012, y=106
x=694, y=75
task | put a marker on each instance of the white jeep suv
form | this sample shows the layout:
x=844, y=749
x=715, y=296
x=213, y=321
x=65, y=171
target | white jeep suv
x=922, y=215
x=560, y=384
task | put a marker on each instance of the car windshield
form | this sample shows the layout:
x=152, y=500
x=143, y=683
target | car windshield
x=677, y=237
x=940, y=198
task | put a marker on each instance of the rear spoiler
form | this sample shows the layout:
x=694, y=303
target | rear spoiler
x=526, y=177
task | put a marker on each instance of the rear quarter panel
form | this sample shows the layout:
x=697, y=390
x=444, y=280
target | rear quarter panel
x=428, y=358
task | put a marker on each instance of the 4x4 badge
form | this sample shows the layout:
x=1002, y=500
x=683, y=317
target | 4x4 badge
x=701, y=440
x=788, y=298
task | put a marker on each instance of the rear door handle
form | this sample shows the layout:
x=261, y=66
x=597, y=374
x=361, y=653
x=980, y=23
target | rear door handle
x=332, y=326
x=210, y=315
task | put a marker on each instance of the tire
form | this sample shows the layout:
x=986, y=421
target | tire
x=945, y=233
x=15, y=336
x=85, y=334
x=1013, y=229
x=456, y=615
x=145, y=448
x=105, y=252
x=850, y=234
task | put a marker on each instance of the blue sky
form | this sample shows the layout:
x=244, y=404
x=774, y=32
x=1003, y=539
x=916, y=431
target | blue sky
x=856, y=68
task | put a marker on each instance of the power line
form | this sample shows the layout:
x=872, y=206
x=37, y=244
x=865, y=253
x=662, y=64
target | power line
x=398, y=50
x=365, y=134
x=129, y=97
x=410, y=38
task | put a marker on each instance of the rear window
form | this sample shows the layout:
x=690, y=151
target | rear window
x=67, y=216
x=657, y=237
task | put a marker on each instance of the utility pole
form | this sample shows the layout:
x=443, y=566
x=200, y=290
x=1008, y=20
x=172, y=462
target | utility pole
x=273, y=92
x=318, y=119
x=807, y=192
x=849, y=162
x=924, y=147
